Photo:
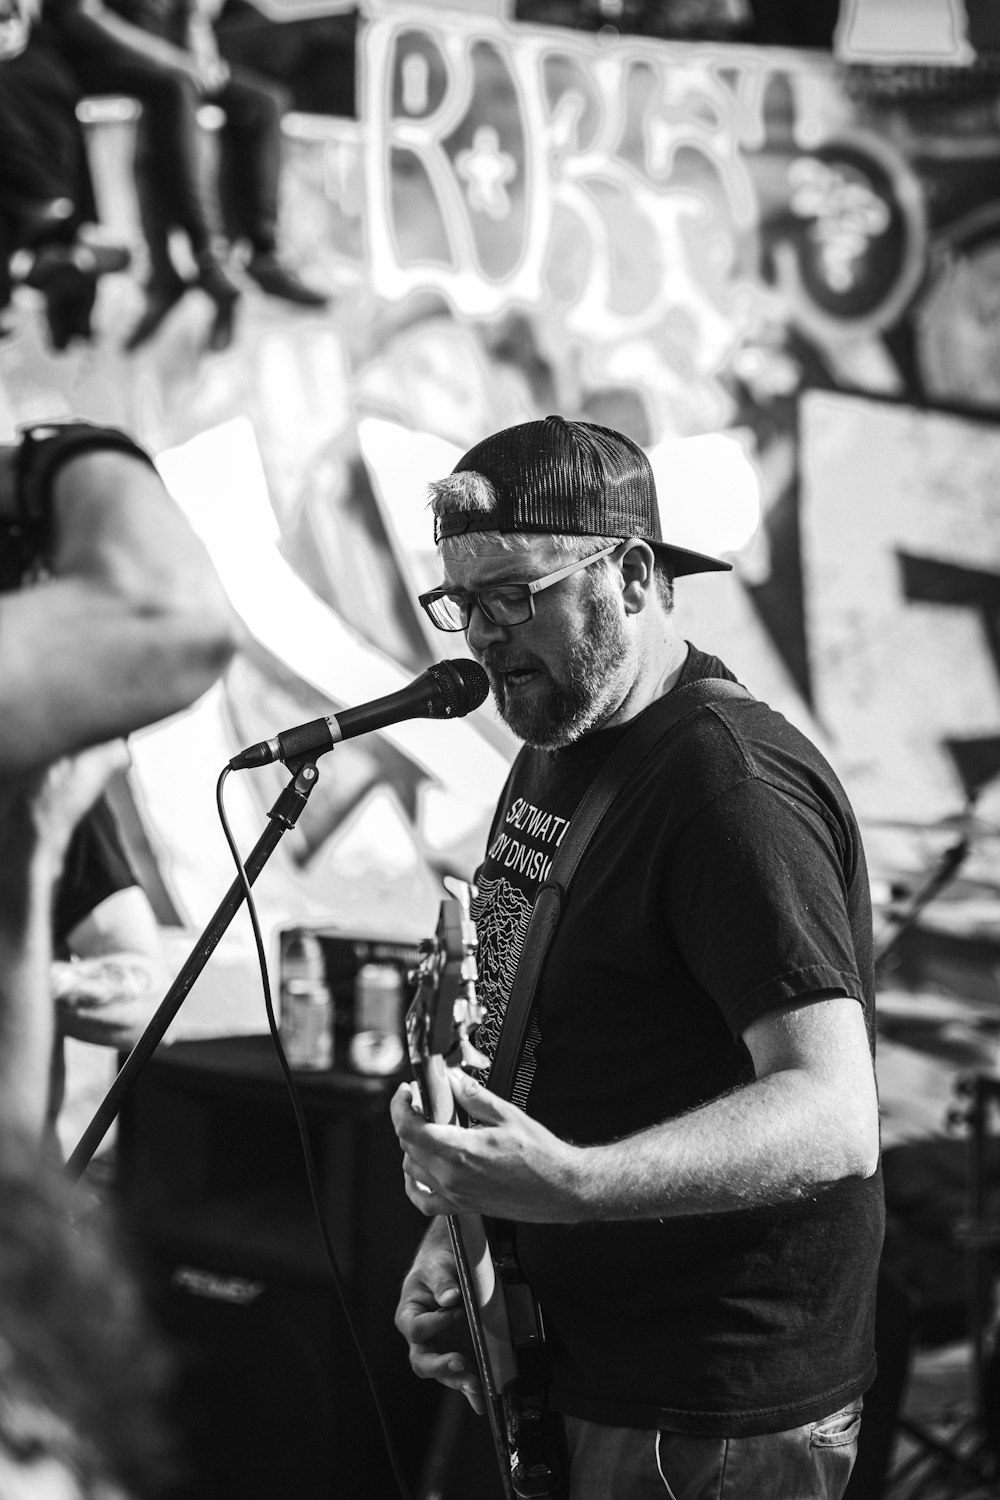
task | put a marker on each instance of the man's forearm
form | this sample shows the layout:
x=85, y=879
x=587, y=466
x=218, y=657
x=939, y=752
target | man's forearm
x=802, y=1123
x=115, y=523
x=777, y=1139
x=134, y=626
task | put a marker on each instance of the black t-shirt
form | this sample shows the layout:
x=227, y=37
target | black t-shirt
x=727, y=880
x=96, y=866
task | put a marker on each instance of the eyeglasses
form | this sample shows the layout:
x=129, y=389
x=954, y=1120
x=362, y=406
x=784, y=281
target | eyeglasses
x=501, y=603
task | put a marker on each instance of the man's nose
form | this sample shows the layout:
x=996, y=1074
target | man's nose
x=482, y=632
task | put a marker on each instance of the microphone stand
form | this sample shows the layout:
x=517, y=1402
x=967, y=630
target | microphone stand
x=283, y=815
x=940, y=876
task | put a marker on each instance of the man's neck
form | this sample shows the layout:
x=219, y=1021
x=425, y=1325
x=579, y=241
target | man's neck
x=671, y=675
x=659, y=672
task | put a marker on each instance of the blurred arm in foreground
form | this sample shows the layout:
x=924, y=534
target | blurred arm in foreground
x=130, y=625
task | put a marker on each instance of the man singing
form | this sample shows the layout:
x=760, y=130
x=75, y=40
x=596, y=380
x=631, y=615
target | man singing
x=694, y=1175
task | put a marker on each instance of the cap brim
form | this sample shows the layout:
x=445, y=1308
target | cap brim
x=682, y=560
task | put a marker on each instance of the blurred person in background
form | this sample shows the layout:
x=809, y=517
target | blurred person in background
x=165, y=54
x=47, y=206
x=109, y=970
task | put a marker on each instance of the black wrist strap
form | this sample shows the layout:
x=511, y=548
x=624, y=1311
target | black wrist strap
x=44, y=448
x=646, y=733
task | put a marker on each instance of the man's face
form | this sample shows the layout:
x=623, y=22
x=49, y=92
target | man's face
x=566, y=670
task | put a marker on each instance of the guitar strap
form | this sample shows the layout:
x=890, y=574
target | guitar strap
x=649, y=729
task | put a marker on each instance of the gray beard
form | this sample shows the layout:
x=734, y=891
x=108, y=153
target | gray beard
x=593, y=686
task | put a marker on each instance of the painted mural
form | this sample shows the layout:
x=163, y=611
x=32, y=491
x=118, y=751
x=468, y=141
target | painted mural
x=765, y=267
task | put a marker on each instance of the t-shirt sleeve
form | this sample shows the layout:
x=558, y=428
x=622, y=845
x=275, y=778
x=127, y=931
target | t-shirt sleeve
x=96, y=867
x=756, y=901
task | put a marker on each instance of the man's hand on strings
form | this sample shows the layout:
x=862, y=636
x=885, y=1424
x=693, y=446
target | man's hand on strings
x=508, y=1167
x=431, y=1317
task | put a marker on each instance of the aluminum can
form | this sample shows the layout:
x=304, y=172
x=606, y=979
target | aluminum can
x=377, y=1042
x=306, y=1025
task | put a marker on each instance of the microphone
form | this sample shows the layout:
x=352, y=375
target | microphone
x=448, y=690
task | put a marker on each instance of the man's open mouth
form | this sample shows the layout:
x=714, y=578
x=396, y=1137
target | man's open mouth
x=518, y=676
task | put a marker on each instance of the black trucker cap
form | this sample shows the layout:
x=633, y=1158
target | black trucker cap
x=559, y=476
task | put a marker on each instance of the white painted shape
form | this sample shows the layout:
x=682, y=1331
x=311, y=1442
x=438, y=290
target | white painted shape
x=404, y=463
x=709, y=492
x=715, y=613
x=893, y=678
x=218, y=480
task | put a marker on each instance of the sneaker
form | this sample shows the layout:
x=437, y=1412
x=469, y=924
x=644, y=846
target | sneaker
x=278, y=281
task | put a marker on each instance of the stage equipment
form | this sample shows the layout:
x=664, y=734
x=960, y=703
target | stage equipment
x=271, y=1396
x=448, y=690
x=468, y=686
x=962, y=1455
x=901, y=919
x=958, y=1456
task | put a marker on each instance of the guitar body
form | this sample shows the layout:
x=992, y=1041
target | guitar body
x=504, y=1319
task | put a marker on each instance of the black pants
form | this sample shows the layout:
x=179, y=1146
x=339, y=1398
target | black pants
x=245, y=201
x=42, y=151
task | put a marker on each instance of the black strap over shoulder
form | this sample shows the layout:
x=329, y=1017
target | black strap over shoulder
x=44, y=448
x=645, y=734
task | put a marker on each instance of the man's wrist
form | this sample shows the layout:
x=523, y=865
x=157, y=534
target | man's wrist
x=578, y=1185
x=438, y=1234
x=28, y=874
x=44, y=451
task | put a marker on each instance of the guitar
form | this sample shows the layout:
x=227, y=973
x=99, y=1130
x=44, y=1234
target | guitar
x=504, y=1319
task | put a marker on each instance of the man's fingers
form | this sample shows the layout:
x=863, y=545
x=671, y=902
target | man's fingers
x=430, y=1204
x=423, y=1188
x=449, y=1296
x=477, y=1101
x=404, y=1111
x=425, y=1327
x=452, y=1370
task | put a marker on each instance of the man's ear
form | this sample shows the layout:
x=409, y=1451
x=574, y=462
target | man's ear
x=637, y=564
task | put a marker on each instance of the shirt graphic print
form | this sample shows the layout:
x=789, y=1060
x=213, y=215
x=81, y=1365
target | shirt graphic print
x=519, y=859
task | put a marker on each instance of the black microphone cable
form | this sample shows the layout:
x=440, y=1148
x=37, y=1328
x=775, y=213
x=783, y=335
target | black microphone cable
x=310, y=1165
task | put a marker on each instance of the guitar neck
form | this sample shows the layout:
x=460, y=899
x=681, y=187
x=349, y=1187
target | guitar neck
x=439, y=1024
x=481, y=1295
x=481, y=1291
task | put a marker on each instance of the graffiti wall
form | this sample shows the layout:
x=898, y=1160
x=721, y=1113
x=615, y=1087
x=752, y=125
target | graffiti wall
x=679, y=240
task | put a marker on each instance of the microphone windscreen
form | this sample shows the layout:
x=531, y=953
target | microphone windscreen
x=463, y=685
